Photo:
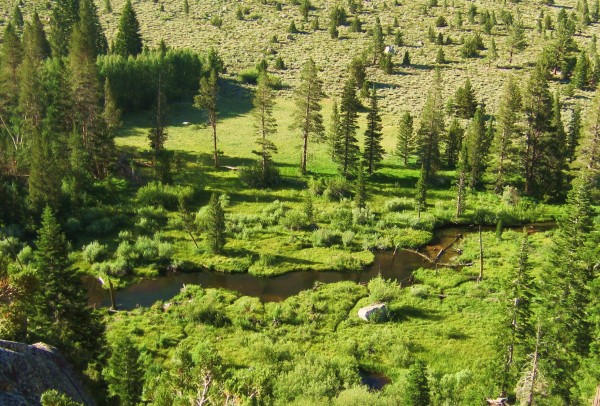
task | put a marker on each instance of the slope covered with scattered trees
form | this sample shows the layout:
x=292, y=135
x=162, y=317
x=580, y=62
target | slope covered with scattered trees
x=140, y=138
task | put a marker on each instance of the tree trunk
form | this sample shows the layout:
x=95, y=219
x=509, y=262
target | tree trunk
x=216, y=151
x=534, y=366
x=597, y=397
x=113, y=300
x=480, y=277
x=193, y=239
x=304, y=152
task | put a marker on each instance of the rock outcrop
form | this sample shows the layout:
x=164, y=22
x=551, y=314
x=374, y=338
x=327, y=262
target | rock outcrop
x=27, y=371
x=375, y=312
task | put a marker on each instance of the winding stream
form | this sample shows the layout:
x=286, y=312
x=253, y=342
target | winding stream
x=278, y=288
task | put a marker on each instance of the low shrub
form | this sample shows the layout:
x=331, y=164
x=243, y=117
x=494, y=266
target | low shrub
x=324, y=237
x=398, y=204
x=167, y=196
x=94, y=252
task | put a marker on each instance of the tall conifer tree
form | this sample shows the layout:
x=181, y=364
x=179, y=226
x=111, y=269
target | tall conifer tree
x=62, y=317
x=128, y=40
x=266, y=125
x=206, y=99
x=87, y=94
x=373, y=151
x=307, y=114
x=537, y=105
x=405, y=138
x=347, y=156
x=215, y=226
x=431, y=128
x=453, y=140
x=334, y=136
x=504, y=148
x=65, y=13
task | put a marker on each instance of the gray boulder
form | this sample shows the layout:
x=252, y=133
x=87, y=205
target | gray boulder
x=27, y=371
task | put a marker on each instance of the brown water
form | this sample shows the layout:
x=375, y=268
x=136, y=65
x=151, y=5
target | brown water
x=277, y=288
x=269, y=289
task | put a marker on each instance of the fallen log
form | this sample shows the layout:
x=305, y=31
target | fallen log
x=441, y=263
x=444, y=249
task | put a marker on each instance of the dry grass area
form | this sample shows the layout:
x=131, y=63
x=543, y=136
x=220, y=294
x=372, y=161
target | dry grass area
x=242, y=43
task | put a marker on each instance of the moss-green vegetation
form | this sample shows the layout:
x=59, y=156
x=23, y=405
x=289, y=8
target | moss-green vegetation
x=168, y=190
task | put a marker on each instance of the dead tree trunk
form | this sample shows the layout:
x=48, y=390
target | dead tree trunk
x=597, y=397
x=534, y=366
x=113, y=300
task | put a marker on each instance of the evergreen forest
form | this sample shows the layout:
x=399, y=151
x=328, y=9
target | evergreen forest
x=433, y=163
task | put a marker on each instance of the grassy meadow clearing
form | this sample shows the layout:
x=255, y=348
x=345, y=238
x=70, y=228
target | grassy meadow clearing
x=311, y=348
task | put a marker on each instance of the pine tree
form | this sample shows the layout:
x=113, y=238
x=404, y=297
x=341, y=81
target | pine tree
x=431, y=129
x=440, y=58
x=357, y=71
x=65, y=13
x=186, y=7
x=17, y=17
x=334, y=135
x=35, y=50
x=11, y=57
x=91, y=29
x=477, y=148
x=404, y=140
x=35, y=43
x=124, y=373
x=537, y=106
x=86, y=95
x=360, y=195
x=465, y=102
x=585, y=13
x=574, y=133
x=554, y=160
x=416, y=390
x=44, y=181
x=386, y=64
x=62, y=316
x=377, y=44
x=373, y=151
x=504, y=148
x=206, y=99
x=582, y=71
x=421, y=191
x=520, y=314
x=111, y=113
x=492, y=54
x=128, y=40
x=158, y=134
x=516, y=38
x=308, y=206
x=406, y=59
x=307, y=116
x=588, y=156
x=347, y=156
x=453, y=141
x=566, y=289
x=266, y=126
x=215, y=226
x=558, y=51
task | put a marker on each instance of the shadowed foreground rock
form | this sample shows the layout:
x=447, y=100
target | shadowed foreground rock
x=27, y=371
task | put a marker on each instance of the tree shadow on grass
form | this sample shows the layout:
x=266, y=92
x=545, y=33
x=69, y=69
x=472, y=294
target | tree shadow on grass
x=404, y=313
x=296, y=261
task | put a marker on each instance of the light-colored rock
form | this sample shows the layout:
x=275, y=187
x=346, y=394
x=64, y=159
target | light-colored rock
x=27, y=371
x=374, y=312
